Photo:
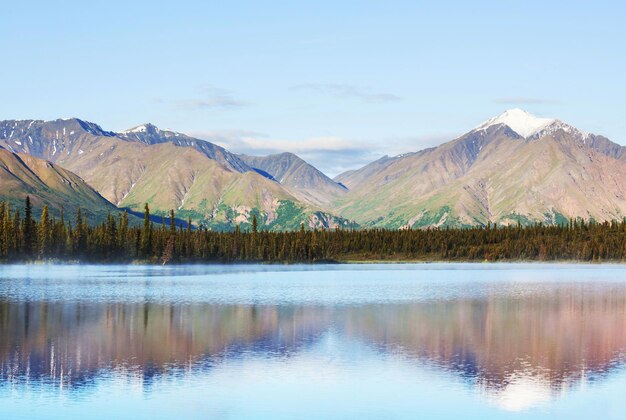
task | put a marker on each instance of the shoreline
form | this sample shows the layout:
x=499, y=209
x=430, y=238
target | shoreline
x=312, y=264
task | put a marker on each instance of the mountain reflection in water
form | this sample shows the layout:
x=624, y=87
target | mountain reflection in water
x=535, y=347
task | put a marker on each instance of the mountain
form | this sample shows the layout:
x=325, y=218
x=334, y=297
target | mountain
x=47, y=183
x=513, y=168
x=167, y=170
x=167, y=176
x=55, y=141
x=300, y=178
x=59, y=140
x=149, y=134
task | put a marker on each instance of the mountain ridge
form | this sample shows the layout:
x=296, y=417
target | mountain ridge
x=129, y=169
x=512, y=168
x=301, y=179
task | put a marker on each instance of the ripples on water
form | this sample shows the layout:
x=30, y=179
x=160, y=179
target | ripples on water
x=330, y=341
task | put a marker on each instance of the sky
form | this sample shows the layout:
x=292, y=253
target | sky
x=340, y=83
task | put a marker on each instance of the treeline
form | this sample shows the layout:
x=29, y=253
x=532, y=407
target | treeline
x=22, y=239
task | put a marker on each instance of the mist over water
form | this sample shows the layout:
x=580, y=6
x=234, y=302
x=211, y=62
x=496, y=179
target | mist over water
x=308, y=342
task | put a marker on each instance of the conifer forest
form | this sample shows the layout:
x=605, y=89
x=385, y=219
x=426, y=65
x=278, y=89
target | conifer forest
x=72, y=239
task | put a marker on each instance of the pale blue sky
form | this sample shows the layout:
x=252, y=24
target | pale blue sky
x=340, y=83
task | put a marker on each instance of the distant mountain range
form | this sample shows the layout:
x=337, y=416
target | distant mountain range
x=168, y=170
x=514, y=168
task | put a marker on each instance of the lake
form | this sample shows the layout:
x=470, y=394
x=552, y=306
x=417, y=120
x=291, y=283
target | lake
x=328, y=341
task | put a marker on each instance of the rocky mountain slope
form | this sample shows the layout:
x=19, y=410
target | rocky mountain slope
x=150, y=134
x=47, y=183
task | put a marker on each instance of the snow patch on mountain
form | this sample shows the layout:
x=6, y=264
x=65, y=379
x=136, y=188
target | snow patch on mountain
x=523, y=123
x=560, y=125
x=139, y=129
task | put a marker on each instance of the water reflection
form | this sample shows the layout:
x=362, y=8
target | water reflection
x=73, y=342
x=517, y=351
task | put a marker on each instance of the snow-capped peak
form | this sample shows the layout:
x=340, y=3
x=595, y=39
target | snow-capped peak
x=520, y=121
x=141, y=129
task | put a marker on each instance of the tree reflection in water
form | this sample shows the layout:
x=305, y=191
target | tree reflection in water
x=534, y=347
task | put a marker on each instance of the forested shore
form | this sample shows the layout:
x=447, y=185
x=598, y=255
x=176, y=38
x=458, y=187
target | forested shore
x=24, y=239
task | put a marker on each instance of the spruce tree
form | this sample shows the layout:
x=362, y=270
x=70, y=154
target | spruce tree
x=43, y=235
x=80, y=235
x=28, y=230
x=16, y=241
x=9, y=233
x=255, y=224
x=172, y=222
x=110, y=237
x=146, y=233
x=3, y=227
x=122, y=233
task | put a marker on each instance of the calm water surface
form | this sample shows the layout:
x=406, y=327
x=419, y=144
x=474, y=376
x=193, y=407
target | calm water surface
x=337, y=341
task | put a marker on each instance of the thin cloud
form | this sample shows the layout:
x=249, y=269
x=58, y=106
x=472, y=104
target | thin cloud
x=234, y=140
x=209, y=97
x=332, y=155
x=524, y=100
x=213, y=97
x=349, y=91
x=222, y=102
x=250, y=142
